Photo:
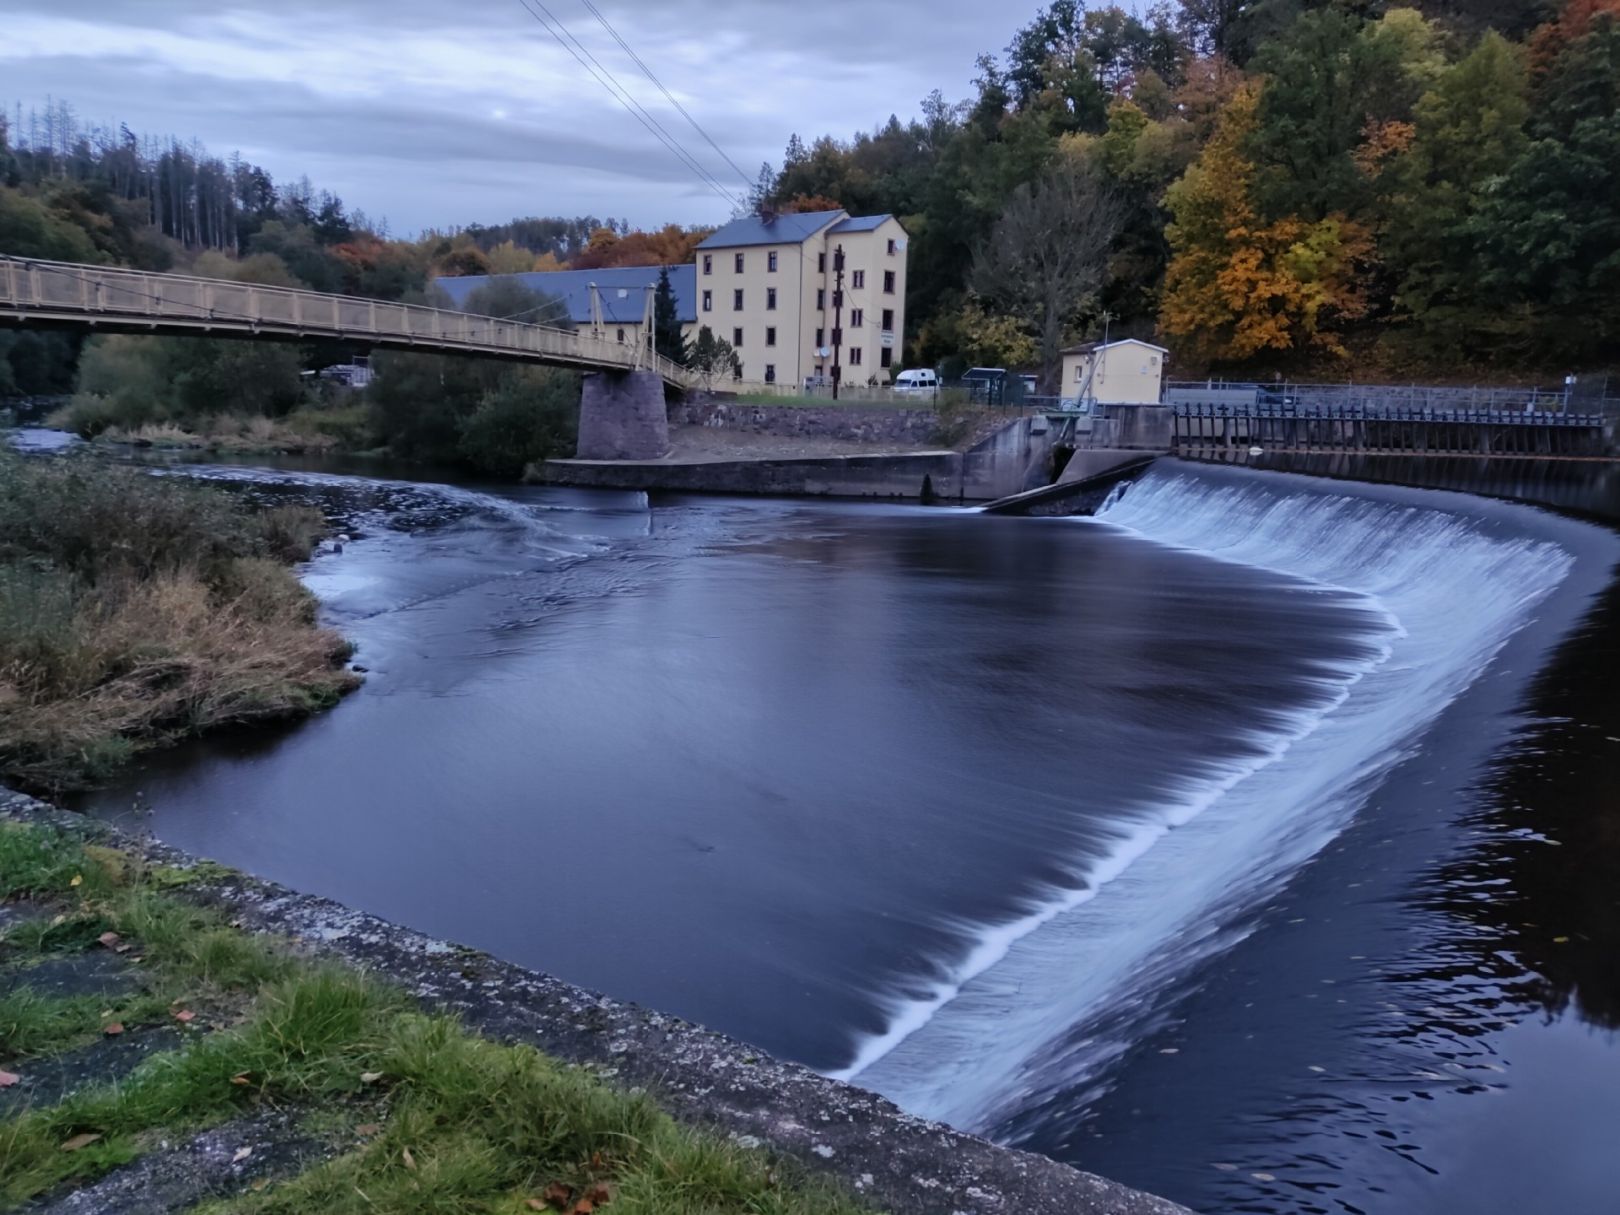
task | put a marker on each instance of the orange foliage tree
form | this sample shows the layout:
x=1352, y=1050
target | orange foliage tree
x=1238, y=284
x=1574, y=22
x=801, y=203
x=671, y=245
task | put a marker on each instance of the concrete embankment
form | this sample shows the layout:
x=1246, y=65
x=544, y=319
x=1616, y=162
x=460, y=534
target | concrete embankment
x=896, y=1162
x=836, y=451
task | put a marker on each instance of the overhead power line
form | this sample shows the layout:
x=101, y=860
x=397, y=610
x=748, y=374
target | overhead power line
x=659, y=84
x=623, y=96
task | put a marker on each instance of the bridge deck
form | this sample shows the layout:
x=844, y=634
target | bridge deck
x=139, y=301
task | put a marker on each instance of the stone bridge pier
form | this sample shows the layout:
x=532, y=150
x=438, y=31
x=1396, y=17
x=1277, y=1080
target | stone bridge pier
x=622, y=417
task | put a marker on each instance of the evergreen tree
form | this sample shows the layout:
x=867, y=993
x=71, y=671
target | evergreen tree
x=667, y=321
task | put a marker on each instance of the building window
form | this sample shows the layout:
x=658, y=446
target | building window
x=708, y=263
x=708, y=301
x=736, y=300
x=770, y=335
x=736, y=339
x=770, y=261
x=858, y=279
x=857, y=317
x=854, y=356
x=888, y=282
x=621, y=333
x=891, y=247
x=1079, y=372
x=770, y=373
x=739, y=263
x=821, y=263
x=736, y=370
x=888, y=320
x=821, y=299
x=821, y=338
x=885, y=357
x=770, y=299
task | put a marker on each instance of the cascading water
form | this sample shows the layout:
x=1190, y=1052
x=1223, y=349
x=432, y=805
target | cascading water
x=1046, y=1001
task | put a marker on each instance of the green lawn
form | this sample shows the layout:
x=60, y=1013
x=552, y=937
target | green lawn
x=417, y=1113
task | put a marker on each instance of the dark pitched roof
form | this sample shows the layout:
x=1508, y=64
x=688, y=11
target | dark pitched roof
x=782, y=230
x=621, y=289
x=859, y=223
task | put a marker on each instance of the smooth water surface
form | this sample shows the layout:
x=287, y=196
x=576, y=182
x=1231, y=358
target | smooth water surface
x=1153, y=842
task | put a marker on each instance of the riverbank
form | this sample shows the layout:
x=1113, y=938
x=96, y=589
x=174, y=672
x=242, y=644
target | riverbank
x=137, y=610
x=278, y=1083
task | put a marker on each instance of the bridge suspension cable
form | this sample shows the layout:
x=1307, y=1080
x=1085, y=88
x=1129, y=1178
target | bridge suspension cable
x=605, y=77
x=659, y=84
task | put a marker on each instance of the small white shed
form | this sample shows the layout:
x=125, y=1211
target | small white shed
x=1126, y=372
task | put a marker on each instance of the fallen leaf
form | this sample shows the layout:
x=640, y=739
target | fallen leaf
x=242, y=1153
x=185, y=1016
x=599, y=1193
x=79, y=1141
x=558, y=1195
x=410, y=1161
x=534, y=1204
x=240, y=1078
x=370, y=1077
x=109, y=939
x=367, y=1128
x=113, y=1028
x=584, y=1207
x=78, y=880
x=7, y=1079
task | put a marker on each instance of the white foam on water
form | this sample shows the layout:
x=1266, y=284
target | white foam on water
x=1444, y=591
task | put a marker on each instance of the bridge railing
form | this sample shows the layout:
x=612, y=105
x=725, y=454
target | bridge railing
x=59, y=290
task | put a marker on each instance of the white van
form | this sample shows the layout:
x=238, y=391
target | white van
x=921, y=382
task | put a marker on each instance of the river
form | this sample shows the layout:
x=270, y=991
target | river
x=1254, y=843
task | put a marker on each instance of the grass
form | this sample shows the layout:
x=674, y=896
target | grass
x=137, y=609
x=424, y=1116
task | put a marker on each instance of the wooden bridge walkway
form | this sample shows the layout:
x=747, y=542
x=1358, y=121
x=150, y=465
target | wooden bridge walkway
x=110, y=300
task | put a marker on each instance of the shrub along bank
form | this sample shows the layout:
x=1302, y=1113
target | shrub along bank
x=137, y=609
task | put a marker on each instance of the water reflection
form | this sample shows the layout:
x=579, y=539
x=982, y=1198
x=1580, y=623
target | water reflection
x=1539, y=893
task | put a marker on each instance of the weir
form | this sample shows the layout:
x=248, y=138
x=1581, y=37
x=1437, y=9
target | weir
x=1012, y=1026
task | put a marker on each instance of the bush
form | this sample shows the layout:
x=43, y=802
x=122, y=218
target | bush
x=532, y=415
x=134, y=608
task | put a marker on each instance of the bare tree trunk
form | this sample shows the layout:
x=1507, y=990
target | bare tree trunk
x=1048, y=254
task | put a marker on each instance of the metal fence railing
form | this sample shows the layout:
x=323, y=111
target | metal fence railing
x=112, y=298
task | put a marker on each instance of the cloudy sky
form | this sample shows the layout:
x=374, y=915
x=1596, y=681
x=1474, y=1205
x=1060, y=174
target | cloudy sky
x=434, y=113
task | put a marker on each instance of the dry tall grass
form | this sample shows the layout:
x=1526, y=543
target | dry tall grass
x=136, y=609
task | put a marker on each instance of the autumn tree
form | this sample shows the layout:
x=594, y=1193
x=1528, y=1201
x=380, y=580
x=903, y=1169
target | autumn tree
x=1238, y=284
x=1047, y=254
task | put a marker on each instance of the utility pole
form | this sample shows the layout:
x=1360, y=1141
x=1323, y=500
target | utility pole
x=838, y=313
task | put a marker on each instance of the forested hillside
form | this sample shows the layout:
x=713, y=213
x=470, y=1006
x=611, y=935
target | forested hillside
x=1271, y=187
x=1432, y=189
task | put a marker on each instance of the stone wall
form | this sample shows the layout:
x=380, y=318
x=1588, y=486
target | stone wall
x=901, y=1164
x=621, y=416
x=912, y=427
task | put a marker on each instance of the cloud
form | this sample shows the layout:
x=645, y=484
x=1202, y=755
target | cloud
x=437, y=114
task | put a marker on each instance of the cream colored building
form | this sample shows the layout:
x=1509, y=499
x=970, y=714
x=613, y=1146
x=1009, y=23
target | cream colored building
x=1126, y=372
x=770, y=287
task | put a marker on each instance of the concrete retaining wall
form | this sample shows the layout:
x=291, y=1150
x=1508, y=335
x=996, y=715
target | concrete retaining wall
x=901, y=1164
x=911, y=427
